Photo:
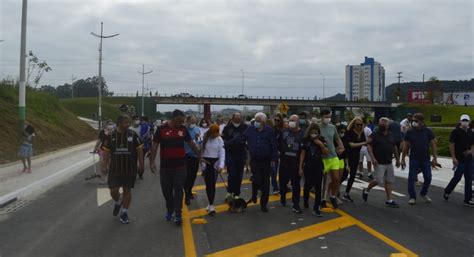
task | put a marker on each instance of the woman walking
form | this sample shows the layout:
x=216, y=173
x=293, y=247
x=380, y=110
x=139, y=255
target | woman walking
x=213, y=159
x=26, y=148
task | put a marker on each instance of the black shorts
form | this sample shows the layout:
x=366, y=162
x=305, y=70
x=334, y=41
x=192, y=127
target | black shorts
x=127, y=181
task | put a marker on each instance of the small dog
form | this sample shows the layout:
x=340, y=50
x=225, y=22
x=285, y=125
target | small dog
x=236, y=204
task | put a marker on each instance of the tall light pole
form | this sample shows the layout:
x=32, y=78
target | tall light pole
x=22, y=85
x=101, y=36
x=324, y=79
x=72, y=85
x=143, y=87
x=242, y=70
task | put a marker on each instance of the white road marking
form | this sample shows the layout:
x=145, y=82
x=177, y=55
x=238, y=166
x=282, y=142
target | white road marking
x=103, y=196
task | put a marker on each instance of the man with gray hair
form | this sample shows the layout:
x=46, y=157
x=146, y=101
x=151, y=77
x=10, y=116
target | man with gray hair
x=262, y=146
x=382, y=147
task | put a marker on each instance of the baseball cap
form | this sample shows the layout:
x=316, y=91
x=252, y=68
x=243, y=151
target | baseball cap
x=465, y=117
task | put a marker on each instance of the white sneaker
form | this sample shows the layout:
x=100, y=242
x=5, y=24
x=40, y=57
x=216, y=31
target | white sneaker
x=426, y=198
x=412, y=201
x=208, y=208
x=212, y=209
x=339, y=201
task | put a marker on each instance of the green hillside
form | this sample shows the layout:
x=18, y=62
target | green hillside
x=55, y=126
x=449, y=114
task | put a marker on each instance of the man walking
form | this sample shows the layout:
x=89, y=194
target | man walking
x=122, y=147
x=172, y=136
x=418, y=141
x=263, y=155
x=461, y=146
x=382, y=147
x=235, y=153
x=289, y=165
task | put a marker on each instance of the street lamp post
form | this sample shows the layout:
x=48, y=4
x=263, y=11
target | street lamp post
x=242, y=70
x=143, y=87
x=22, y=85
x=72, y=86
x=101, y=36
x=324, y=78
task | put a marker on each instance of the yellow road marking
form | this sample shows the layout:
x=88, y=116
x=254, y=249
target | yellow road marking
x=379, y=235
x=273, y=243
x=218, y=185
x=188, y=238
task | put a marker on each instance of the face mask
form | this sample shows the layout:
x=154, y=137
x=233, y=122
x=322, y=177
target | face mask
x=341, y=135
x=204, y=125
x=464, y=124
x=415, y=124
x=137, y=122
x=236, y=124
x=257, y=124
x=110, y=127
x=292, y=124
x=314, y=135
x=192, y=125
x=326, y=120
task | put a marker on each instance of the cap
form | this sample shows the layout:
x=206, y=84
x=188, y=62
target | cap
x=465, y=117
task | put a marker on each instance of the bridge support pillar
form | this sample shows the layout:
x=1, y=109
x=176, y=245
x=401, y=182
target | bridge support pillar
x=338, y=114
x=207, y=111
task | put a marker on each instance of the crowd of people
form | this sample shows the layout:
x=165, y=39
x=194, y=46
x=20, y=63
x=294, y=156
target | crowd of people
x=280, y=151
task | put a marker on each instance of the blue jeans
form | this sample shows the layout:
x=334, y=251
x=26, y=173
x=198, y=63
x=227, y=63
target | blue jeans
x=235, y=169
x=464, y=168
x=425, y=168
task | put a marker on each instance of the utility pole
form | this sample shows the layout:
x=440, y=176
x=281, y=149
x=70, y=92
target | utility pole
x=242, y=70
x=72, y=85
x=101, y=36
x=22, y=86
x=143, y=87
x=423, y=78
x=399, y=89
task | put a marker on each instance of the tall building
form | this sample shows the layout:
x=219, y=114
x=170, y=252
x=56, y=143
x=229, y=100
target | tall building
x=365, y=81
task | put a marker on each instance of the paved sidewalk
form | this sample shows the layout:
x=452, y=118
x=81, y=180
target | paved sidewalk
x=48, y=170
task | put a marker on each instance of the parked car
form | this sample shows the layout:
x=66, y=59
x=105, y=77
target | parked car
x=183, y=95
x=242, y=97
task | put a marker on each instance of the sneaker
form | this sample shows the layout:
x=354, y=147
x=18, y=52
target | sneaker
x=446, y=196
x=412, y=201
x=365, y=195
x=426, y=198
x=264, y=209
x=306, y=205
x=323, y=204
x=317, y=213
x=347, y=197
x=339, y=201
x=296, y=209
x=470, y=203
x=275, y=192
x=178, y=219
x=283, y=202
x=333, y=202
x=169, y=216
x=124, y=218
x=212, y=209
x=116, y=209
x=392, y=204
x=208, y=208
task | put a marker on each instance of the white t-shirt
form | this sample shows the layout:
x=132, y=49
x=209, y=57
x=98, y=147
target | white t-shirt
x=215, y=149
x=367, y=132
x=405, y=125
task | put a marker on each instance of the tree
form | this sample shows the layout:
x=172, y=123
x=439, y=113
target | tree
x=36, y=68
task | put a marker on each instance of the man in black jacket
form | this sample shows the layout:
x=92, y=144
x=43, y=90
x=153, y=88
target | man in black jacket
x=235, y=153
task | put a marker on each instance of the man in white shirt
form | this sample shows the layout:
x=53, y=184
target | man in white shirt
x=365, y=153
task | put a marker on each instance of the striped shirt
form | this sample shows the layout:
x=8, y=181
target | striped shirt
x=123, y=149
x=171, y=142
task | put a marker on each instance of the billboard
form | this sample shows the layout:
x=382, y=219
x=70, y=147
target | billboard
x=419, y=96
x=459, y=98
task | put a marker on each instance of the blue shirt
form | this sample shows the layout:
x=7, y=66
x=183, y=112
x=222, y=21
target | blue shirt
x=261, y=144
x=420, y=140
x=192, y=133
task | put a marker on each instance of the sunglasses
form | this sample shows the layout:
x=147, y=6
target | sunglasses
x=465, y=120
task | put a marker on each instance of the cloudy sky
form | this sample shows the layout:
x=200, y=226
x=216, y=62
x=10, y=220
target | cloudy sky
x=200, y=47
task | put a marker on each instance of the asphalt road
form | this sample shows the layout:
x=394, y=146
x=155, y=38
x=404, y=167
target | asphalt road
x=67, y=221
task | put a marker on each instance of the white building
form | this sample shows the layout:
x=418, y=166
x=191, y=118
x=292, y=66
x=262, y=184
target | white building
x=365, y=81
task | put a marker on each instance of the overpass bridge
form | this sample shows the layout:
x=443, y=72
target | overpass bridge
x=269, y=101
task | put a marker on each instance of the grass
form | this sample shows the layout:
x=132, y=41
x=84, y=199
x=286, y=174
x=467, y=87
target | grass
x=55, y=126
x=87, y=107
x=449, y=114
x=442, y=136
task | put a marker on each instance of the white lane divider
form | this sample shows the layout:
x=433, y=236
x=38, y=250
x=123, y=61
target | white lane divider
x=360, y=184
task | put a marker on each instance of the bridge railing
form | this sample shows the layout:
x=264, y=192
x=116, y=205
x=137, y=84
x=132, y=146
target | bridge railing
x=217, y=96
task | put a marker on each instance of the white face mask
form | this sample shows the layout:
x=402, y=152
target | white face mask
x=292, y=124
x=313, y=135
x=204, y=125
x=415, y=124
x=137, y=122
x=465, y=124
x=327, y=120
x=192, y=125
x=110, y=127
x=236, y=124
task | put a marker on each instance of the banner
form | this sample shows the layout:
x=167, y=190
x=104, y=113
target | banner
x=419, y=96
x=459, y=98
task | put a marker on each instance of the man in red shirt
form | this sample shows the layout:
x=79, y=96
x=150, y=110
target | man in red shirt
x=172, y=136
